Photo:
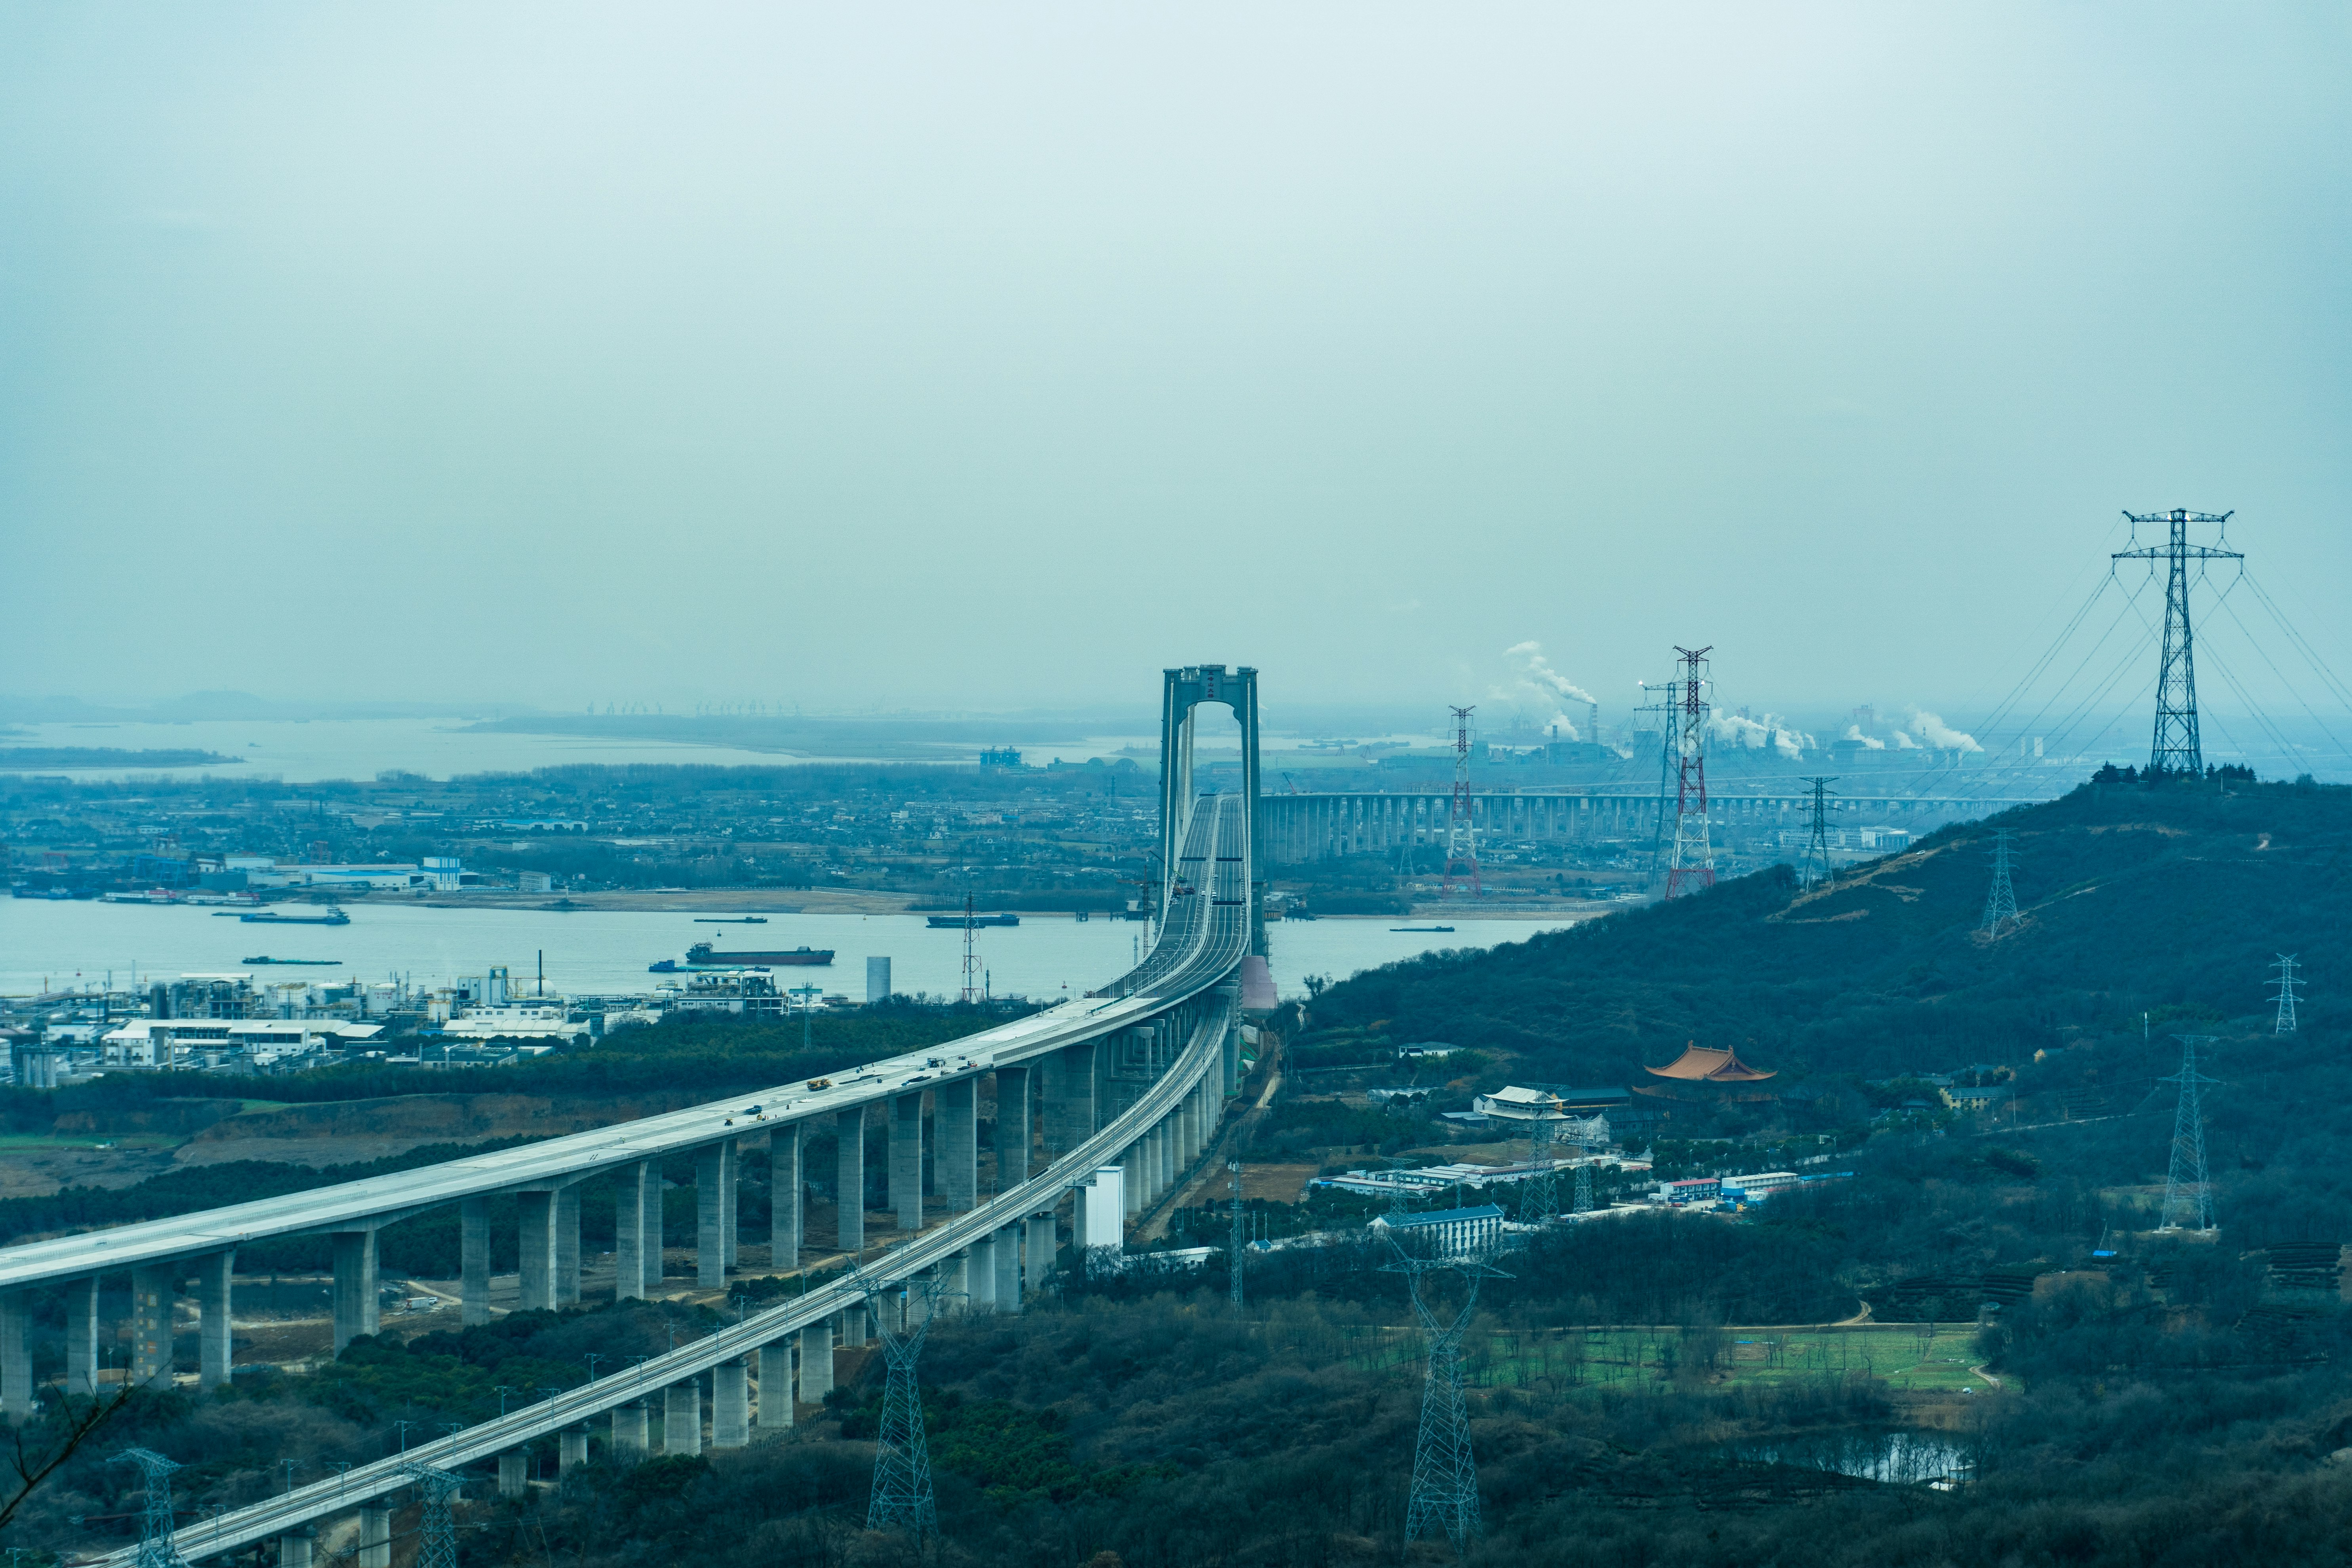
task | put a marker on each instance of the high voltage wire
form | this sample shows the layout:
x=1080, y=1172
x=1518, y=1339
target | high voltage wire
x=2266, y=658
x=2303, y=644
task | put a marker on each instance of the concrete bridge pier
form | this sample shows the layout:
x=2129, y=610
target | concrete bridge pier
x=81, y=1337
x=853, y=1325
x=473, y=1262
x=775, y=1409
x=567, y=1245
x=514, y=1473
x=849, y=1175
x=1043, y=1234
x=907, y=1160
x=629, y=1432
x=1008, y=1268
x=150, y=1323
x=1130, y=1186
x=816, y=1366
x=711, y=1215
x=785, y=1198
x=571, y=1449
x=355, y=1300
x=296, y=1546
x=535, y=1264
x=1068, y=1084
x=982, y=1274
x=730, y=1192
x=214, y=1346
x=730, y=1405
x=682, y=1418
x=375, y=1536
x=629, y=1232
x=955, y=1140
x=955, y=1285
x=1013, y=1134
x=15, y=1355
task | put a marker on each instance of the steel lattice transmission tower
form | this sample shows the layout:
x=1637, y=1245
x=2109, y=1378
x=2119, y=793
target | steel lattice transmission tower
x=436, y=1532
x=1588, y=1139
x=1692, y=868
x=902, y=1497
x=2187, y=1195
x=2000, y=899
x=971, y=959
x=1540, y=1197
x=1444, y=1470
x=156, y=1549
x=1461, y=832
x=2286, y=995
x=2177, y=751
x=1235, y=1167
x=1816, y=867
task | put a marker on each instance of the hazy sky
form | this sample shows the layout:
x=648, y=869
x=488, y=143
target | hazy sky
x=997, y=355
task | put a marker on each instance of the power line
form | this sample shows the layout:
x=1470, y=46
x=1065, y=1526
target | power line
x=902, y=1497
x=1461, y=832
x=2188, y=1194
x=1816, y=867
x=1444, y=1470
x=1692, y=868
x=2175, y=748
x=2287, y=986
x=2000, y=899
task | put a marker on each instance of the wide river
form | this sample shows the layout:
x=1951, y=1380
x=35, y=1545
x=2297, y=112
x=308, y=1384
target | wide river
x=64, y=945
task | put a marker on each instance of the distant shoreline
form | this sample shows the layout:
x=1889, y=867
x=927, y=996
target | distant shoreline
x=26, y=759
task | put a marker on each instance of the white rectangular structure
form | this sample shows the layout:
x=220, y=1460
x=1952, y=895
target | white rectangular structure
x=1101, y=1216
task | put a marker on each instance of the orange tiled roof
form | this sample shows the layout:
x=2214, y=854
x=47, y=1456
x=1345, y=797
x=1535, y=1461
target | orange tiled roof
x=1704, y=1064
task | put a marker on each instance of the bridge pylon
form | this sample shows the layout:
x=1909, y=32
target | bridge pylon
x=1180, y=692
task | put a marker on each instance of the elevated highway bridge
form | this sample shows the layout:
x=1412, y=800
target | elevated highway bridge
x=1103, y=1103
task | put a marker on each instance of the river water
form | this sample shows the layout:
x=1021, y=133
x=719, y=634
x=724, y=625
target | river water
x=60, y=944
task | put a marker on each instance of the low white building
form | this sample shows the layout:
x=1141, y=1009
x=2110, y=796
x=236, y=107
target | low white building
x=1466, y=1234
x=535, y=1019
x=156, y=1043
x=1516, y=1104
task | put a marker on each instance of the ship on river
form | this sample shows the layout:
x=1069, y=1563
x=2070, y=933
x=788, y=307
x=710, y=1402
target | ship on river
x=702, y=955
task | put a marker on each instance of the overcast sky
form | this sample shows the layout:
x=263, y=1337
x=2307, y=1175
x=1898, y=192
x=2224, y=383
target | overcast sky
x=997, y=355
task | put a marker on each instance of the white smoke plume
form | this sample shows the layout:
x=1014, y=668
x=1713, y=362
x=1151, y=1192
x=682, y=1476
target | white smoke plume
x=1903, y=743
x=1539, y=689
x=1738, y=730
x=1935, y=732
x=1853, y=732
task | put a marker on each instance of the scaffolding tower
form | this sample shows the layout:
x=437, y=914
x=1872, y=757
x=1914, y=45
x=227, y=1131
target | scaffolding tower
x=156, y=1549
x=1692, y=868
x=2175, y=750
x=2188, y=1194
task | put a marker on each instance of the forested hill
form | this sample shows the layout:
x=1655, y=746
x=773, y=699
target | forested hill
x=2170, y=901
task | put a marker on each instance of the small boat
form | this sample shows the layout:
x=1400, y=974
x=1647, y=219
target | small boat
x=333, y=915
x=1421, y=927
x=316, y=962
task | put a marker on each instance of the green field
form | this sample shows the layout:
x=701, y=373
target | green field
x=1925, y=1358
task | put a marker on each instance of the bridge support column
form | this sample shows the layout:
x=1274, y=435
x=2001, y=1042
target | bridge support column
x=629, y=1432
x=907, y=1158
x=535, y=1268
x=785, y=1198
x=375, y=1536
x=215, y=1347
x=629, y=1185
x=775, y=1407
x=730, y=1405
x=1042, y=1232
x=571, y=1450
x=295, y=1548
x=730, y=1190
x=955, y=1285
x=150, y=1323
x=81, y=1337
x=816, y=1364
x=849, y=1176
x=955, y=1140
x=1012, y=1131
x=982, y=1274
x=1069, y=1089
x=15, y=1355
x=473, y=1262
x=567, y=1246
x=1169, y=1133
x=514, y=1474
x=1130, y=1185
x=355, y=1302
x=1008, y=1268
x=710, y=1216
x=852, y=1324
x=682, y=1418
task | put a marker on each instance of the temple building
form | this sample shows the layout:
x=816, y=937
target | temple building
x=1705, y=1075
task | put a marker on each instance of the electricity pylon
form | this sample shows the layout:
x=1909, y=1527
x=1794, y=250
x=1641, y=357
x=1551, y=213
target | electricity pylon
x=1539, y=1196
x=1815, y=869
x=156, y=1549
x=1461, y=832
x=1444, y=1470
x=436, y=1533
x=2000, y=899
x=2287, y=984
x=2187, y=1195
x=902, y=1497
x=2175, y=750
x=1692, y=867
x=1235, y=1167
x=1588, y=1138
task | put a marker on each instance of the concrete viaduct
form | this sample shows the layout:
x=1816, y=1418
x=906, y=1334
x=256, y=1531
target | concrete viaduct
x=1104, y=1104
